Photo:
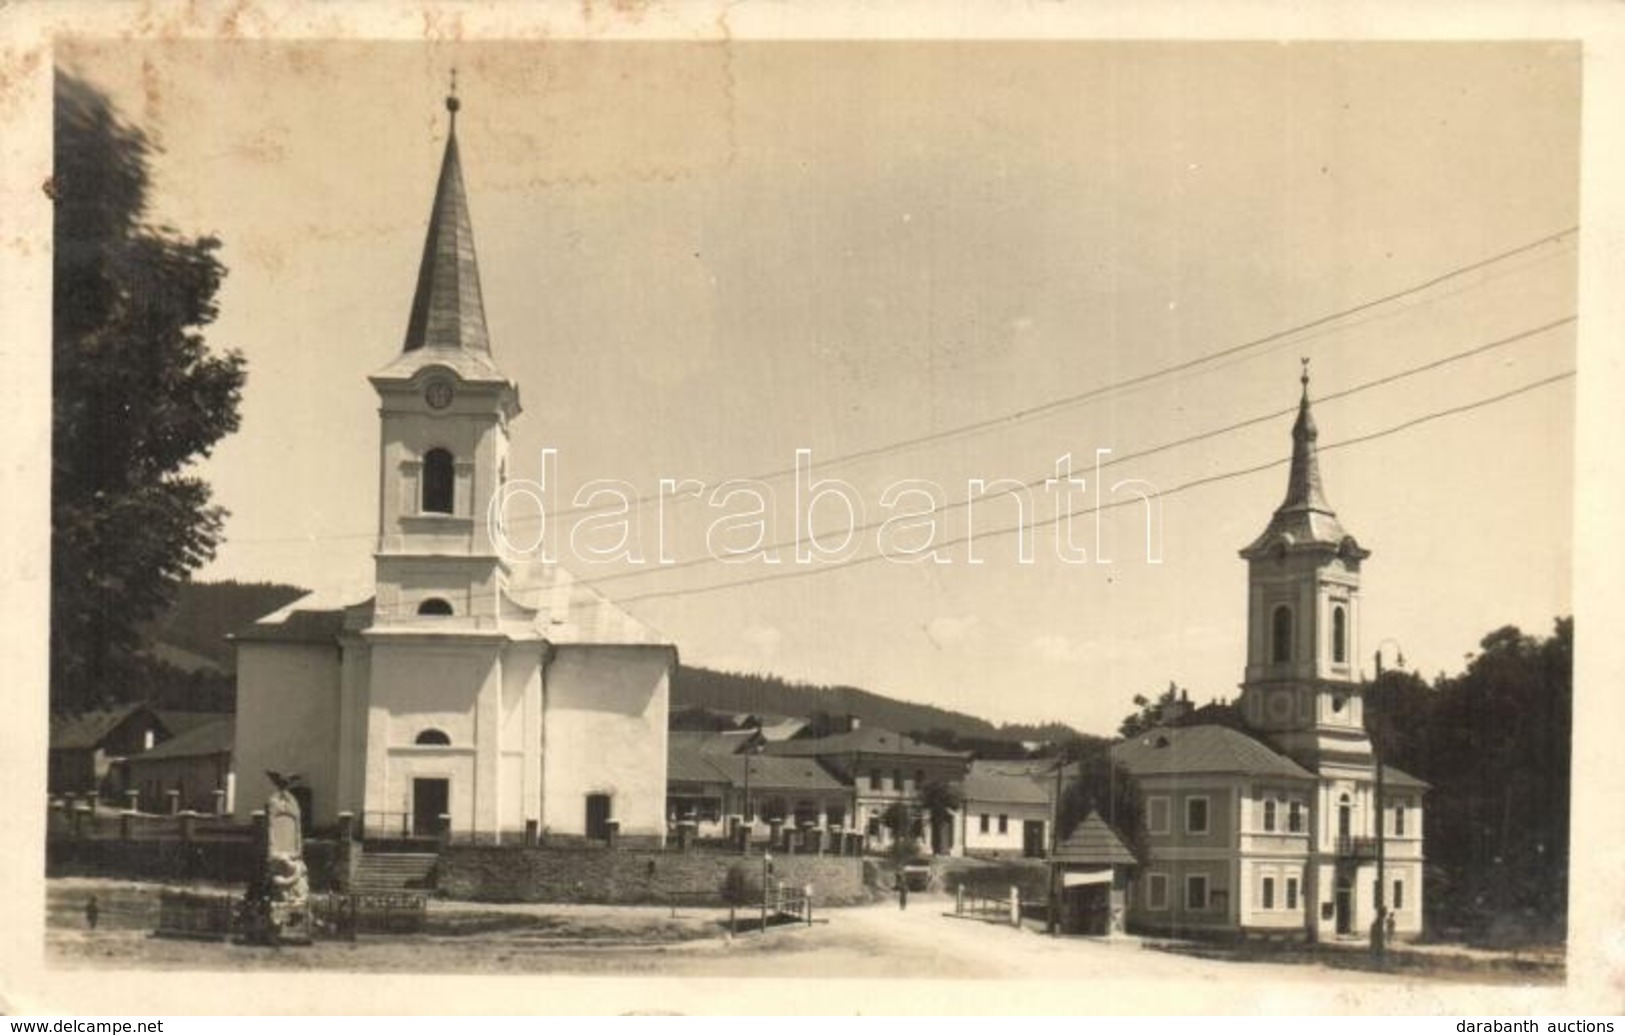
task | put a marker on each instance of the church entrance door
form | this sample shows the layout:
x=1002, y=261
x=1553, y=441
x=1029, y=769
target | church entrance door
x=1343, y=896
x=598, y=817
x=431, y=799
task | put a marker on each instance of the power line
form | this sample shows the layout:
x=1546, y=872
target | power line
x=1141, y=454
x=1007, y=530
x=1030, y=413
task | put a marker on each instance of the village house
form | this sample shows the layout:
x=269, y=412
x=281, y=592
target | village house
x=195, y=764
x=1273, y=828
x=884, y=769
x=85, y=749
x=464, y=697
x=1007, y=810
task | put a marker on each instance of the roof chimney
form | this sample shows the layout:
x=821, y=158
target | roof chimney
x=852, y=723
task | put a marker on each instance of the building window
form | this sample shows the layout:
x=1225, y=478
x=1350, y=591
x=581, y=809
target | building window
x=1196, y=891
x=1294, y=817
x=1345, y=817
x=1156, y=891
x=1004, y=824
x=1156, y=815
x=874, y=779
x=434, y=606
x=433, y=738
x=1195, y=815
x=1399, y=821
x=1269, y=815
x=1292, y=893
x=919, y=778
x=1269, y=893
x=985, y=818
x=439, y=482
x=1340, y=635
x=897, y=780
x=1281, y=634
x=1399, y=894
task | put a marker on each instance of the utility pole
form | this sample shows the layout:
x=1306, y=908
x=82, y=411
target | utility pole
x=1379, y=929
x=1053, y=907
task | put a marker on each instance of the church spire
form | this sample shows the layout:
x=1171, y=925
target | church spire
x=447, y=310
x=1304, y=518
x=1303, y=489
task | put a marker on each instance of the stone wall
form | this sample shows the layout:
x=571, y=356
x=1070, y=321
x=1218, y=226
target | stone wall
x=480, y=873
x=223, y=861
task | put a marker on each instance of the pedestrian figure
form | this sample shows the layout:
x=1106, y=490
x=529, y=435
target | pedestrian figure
x=93, y=913
x=902, y=892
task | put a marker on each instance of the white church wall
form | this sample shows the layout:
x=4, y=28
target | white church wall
x=287, y=720
x=605, y=733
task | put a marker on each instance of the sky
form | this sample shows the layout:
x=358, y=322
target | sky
x=699, y=258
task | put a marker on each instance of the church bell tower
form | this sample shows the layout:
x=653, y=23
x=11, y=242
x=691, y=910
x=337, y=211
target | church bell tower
x=1301, y=690
x=444, y=414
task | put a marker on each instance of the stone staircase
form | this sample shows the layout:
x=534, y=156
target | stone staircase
x=392, y=873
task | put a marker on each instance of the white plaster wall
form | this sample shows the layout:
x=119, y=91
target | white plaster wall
x=287, y=720
x=993, y=841
x=605, y=733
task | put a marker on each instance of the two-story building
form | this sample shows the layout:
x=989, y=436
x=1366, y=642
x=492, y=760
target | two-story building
x=884, y=769
x=1274, y=827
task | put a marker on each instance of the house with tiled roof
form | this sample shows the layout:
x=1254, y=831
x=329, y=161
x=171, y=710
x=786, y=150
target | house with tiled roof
x=86, y=748
x=1008, y=809
x=1289, y=825
x=885, y=768
x=195, y=764
x=470, y=688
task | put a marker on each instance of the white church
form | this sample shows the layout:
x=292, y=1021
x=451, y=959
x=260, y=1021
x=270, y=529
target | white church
x=513, y=704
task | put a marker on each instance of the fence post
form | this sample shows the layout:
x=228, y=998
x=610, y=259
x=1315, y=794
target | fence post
x=81, y=815
x=219, y=801
x=959, y=900
x=132, y=800
x=188, y=826
x=530, y=833
x=612, y=831
x=806, y=901
x=126, y=825
x=173, y=798
x=444, y=824
x=1015, y=906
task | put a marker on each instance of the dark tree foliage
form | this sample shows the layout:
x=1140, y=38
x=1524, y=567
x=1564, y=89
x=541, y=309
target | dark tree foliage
x=1494, y=743
x=938, y=801
x=1092, y=782
x=137, y=398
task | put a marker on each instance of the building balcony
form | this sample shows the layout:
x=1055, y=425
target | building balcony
x=1357, y=848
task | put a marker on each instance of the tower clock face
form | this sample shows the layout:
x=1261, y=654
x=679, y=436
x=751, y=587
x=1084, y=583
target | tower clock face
x=438, y=394
x=1280, y=705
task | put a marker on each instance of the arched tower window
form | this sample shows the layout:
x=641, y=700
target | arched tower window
x=434, y=606
x=439, y=482
x=433, y=738
x=1345, y=816
x=1281, y=634
x=1340, y=635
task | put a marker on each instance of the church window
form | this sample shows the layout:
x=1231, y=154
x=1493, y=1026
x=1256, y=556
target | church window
x=439, y=482
x=1294, y=817
x=1156, y=891
x=1345, y=817
x=1340, y=636
x=1269, y=814
x=1399, y=894
x=1292, y=893
x=1269, y=893
x=1196, y=891
x=1399, y=821
x=1196, y=815
x=1281, y=634
x=434, y=606
x=874, y=779
x=1156, y=821
x=433, y=738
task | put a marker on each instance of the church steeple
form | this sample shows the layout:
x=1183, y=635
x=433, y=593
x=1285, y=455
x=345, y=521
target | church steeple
x=1304, y=518
x=447, y=310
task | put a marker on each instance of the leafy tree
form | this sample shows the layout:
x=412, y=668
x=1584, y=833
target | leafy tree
x=1095, y=783
x=736, y=890
x=939, y=801
x=137, y=398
